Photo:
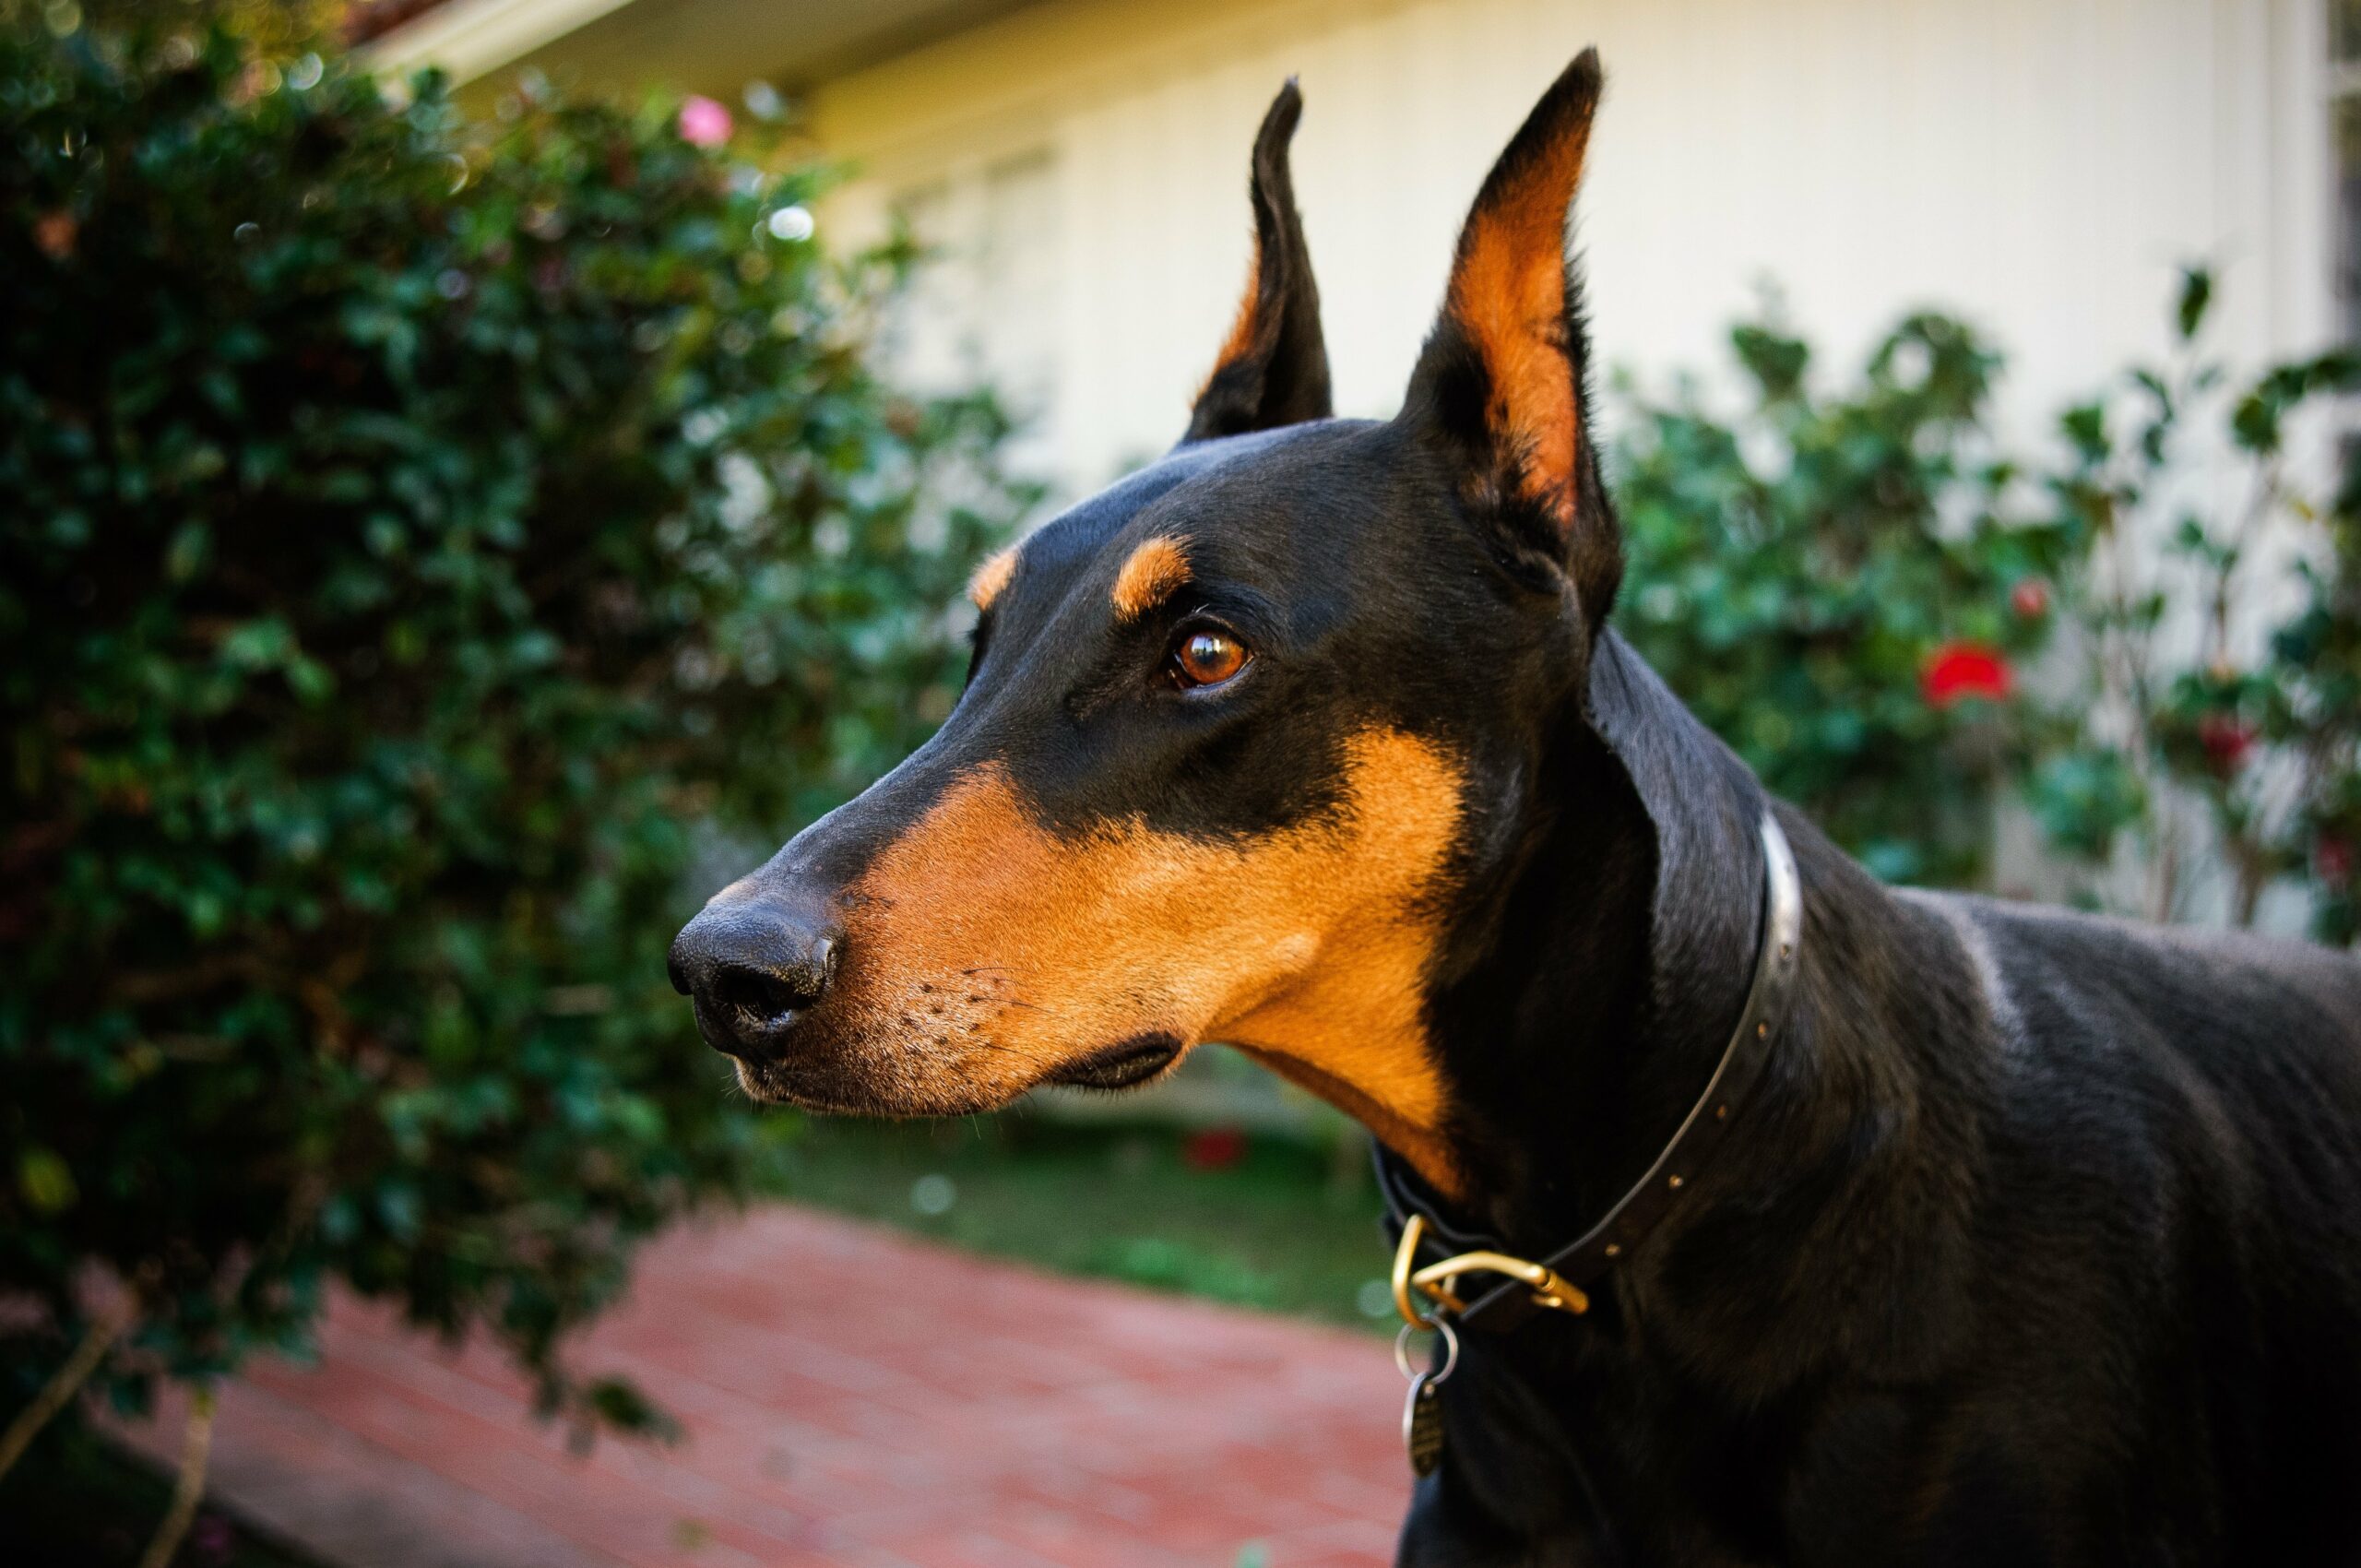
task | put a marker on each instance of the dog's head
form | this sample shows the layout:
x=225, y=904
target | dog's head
x=1247, y=736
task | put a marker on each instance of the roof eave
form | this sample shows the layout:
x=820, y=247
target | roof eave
x=469, y=39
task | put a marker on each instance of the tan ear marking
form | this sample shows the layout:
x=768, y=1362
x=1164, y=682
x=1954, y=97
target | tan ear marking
x=992, y=577
x=1512, y=299
x=1245, y=327
x=1155, y=568
x=1273, y=368
x=1507, y=289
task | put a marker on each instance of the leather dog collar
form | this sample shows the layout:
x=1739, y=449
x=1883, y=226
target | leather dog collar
x=1581, y=1262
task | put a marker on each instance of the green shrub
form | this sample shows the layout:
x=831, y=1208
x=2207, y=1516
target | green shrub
x=1828, y=581
x=2227, y=733
x=2316, y=714
x=1903, y=628
x=414, y=532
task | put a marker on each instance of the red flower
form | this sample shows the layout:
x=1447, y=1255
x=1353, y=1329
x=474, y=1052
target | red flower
x=2334, y=856
x=2227, y=740
x=2030, y=599
x=1965, y=670
x=1214, y=1148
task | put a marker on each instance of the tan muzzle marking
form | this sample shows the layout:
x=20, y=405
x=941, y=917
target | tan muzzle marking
x=983, y=951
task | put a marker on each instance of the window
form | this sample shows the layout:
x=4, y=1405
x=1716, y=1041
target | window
x=2344, y=98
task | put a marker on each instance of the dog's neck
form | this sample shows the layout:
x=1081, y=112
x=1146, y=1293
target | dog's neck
x=1588, y=1008
x=1585, y=1017
x=1586, y=1005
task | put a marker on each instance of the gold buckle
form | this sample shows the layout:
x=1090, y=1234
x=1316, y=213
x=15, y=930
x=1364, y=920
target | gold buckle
x=1440, y=1281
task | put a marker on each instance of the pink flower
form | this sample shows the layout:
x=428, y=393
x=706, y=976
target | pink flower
x=1965, y=670
x=2030, y=599
x=703, y=123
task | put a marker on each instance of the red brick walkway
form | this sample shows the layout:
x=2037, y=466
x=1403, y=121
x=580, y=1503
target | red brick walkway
x=851, y=1398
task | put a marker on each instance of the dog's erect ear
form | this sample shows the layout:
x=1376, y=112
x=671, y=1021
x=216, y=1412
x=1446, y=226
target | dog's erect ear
x=1500, y=385
x=1273, y=369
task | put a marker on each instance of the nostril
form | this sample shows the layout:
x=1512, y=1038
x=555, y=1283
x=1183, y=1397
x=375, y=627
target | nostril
x=755, y=969
x=762, y=996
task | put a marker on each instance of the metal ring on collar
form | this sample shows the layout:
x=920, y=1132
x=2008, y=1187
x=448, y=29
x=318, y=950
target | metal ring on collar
x=1450, y=1347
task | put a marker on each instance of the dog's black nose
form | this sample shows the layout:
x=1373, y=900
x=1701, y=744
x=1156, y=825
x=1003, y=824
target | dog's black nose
x=753, y=968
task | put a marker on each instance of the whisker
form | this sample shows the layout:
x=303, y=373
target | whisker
x=1032, y=1006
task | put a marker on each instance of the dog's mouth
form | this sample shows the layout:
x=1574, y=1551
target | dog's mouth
x=1122, y=1066
x=812, y=1081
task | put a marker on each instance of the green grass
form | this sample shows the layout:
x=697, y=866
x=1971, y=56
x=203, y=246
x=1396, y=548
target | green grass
x=74, y=1501
x=1286, y=1229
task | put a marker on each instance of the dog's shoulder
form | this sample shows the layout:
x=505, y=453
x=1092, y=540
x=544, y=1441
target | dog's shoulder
x=2173, y=975
x=2120, y=1041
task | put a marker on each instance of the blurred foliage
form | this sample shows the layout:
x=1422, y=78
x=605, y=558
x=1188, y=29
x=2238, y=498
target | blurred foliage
x=1901, y=628
x=1827, y=581
x=2210, y=699
x=2313, y=712
x=265, y=30
x=415, y=533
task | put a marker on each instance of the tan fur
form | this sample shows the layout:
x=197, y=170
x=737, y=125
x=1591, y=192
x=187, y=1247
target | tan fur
x=1508, y=289
x=1242, y=330
x=1159, y=565
x=992, y=577
x=983, y=952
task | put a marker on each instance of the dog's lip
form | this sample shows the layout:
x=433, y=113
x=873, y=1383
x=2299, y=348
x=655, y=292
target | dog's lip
x=1121, y=1066
x=827, y=1094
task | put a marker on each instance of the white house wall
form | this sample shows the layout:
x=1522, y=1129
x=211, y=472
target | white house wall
x=2041, y=165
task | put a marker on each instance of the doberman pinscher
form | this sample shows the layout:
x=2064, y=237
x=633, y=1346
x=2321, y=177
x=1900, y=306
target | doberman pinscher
x=2027, y=1238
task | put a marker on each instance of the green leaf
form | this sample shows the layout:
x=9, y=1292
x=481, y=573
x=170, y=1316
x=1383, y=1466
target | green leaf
x=2196, y=296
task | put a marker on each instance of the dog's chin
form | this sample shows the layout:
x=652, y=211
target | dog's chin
x=838, y=1091
x=829, y=1093
x=768, y=1083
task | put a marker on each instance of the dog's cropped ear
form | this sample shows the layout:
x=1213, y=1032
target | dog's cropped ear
x=1273, y=369
x=1502, y=386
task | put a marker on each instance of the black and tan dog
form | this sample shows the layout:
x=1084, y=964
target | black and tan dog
x=2038, y=1239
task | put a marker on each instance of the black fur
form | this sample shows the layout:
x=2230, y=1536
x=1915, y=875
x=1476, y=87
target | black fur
x=2040, y=1241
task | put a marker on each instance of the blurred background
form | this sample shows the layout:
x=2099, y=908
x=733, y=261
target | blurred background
x=479, y=474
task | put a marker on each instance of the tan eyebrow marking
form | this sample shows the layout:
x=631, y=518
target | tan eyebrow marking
x=1155, y=568
x=992, y=577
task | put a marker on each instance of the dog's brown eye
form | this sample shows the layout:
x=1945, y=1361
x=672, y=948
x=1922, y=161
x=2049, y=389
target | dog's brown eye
x=1207, y=659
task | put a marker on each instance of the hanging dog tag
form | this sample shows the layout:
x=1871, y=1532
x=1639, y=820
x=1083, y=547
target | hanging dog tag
x=1422, y=1424
x=1422, y=1412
